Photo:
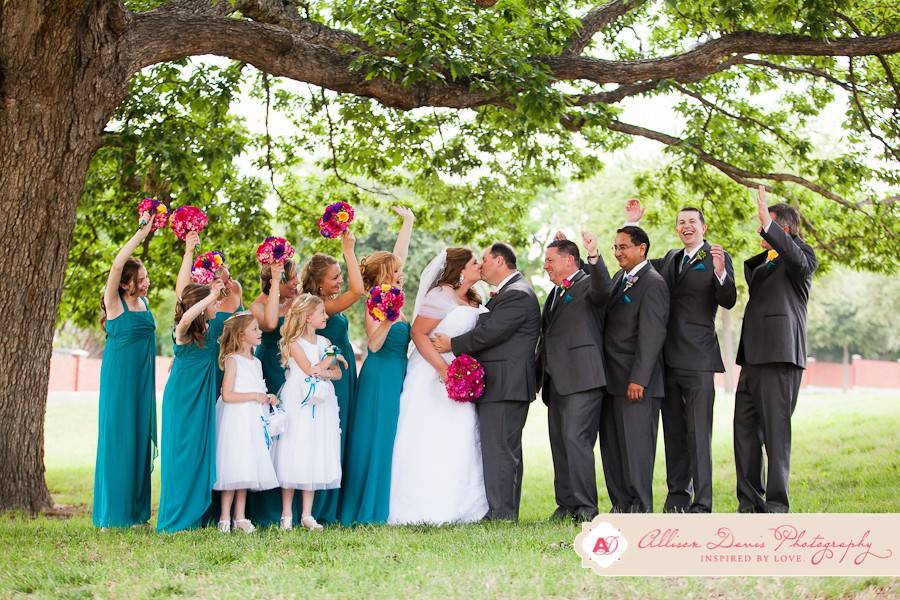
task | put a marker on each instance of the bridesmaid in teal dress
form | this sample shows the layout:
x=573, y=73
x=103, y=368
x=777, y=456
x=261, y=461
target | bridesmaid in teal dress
x=269, y=308
x=366, y=485
x=189, y=411
x=322, y=277
x=232, y=302
x=126, y=444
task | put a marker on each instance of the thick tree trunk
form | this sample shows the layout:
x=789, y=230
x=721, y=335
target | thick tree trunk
x=59, y=84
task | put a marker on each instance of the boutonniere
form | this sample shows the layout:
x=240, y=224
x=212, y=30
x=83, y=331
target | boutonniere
x=492, y=294
x=700, y=255
x=771, y=257
x=630, y=280
x=566, y=284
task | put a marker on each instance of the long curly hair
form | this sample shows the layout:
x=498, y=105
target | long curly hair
x=314, y=271
x=191, y=295
x=457, y=259
x=265, y=275
x=234, y=328
x=129, y=279
x=295, y=322
x=378, y=268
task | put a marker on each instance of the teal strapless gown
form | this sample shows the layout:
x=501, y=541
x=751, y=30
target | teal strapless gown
x=264, y=508
x=327, y=503
x=188, y=452
x=219, y=321
x=126, y=444
x=366, y=485
x=269, y=354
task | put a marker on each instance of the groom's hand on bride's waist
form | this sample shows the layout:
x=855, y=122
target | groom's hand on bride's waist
x=441, y=342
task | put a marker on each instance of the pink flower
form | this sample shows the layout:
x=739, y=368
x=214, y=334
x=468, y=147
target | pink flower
x=201, y=275
x=465, y=379
x=186, y=219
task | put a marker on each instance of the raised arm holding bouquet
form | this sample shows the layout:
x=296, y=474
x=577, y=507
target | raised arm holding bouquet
x=366, y=488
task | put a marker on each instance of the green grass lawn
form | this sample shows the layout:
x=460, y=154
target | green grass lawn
x=846, y=458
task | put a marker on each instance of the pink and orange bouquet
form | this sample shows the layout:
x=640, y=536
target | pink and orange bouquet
x=336, y=219
x=205, y=267
x=384, y=303
x=274, y=250
x=465, y=379
x=159, y=214
x=186, y=219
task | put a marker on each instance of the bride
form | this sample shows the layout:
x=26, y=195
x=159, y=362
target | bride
x=436, y=476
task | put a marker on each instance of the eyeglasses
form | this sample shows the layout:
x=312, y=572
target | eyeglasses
x=622, y=248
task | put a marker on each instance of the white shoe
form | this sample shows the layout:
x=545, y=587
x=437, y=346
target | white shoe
x=287, y=523
x=225, y=526
x=244, y=525
x=309, y=522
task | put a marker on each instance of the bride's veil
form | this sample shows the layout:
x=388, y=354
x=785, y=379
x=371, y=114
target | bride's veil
x=428, y=278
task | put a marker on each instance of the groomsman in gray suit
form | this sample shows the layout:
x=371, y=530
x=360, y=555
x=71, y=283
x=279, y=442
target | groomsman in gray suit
x=571, y=376
x=634, y=332
x=503, y=341
x=772, y=355
x=700, y=277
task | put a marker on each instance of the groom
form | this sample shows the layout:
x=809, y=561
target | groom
x=503, y=341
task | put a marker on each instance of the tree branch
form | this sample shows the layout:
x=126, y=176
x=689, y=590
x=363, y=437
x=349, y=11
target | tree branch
x=887, y=69
x=706, y=57
x=864, y=118
x=738, y=174
x=795, y=70
x=597, y=18
x=317, y=55
x=711, y=105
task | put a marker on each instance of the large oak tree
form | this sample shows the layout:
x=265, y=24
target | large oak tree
x=516, y=90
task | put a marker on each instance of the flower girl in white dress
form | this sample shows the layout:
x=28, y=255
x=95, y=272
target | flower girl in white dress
x=242, y=442
x=308, y=453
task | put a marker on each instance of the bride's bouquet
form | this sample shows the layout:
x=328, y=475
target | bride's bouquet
x=465, y=379
x=384, y=303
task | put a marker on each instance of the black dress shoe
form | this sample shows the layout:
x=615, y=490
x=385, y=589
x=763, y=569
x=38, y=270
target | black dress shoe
x=698, y=509
x=561, y=514
x=582, y=515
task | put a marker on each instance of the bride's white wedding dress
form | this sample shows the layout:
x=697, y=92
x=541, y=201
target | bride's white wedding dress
x=436, y=475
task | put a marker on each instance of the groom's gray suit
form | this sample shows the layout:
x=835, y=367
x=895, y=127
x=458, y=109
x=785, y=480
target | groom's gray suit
x=503, y=341
x=572, y=374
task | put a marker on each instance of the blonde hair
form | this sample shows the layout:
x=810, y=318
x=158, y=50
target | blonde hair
x=230, y=342
x=295, y=322
x=314, y=271
x=378, y=268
